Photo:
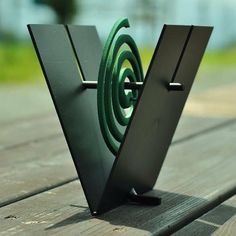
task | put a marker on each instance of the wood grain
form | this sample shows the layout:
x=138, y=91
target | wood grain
x=34, y=167
x=21, y=100
x=229, y=227
x=30, y=129
x=196, y=174
x=219, y=221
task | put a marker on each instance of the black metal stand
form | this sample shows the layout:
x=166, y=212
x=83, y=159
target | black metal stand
x=70, y=58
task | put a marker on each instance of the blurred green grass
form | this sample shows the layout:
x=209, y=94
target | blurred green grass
x=19, y=64
x=224, y=58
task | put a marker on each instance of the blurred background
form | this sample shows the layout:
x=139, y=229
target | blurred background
x=23, y=91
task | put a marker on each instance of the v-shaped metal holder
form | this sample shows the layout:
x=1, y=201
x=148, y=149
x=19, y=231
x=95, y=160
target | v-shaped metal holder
x=69, y=54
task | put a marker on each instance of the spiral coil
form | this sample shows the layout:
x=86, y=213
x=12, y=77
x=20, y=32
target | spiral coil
x=115, y=105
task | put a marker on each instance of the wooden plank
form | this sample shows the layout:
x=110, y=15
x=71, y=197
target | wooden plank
x=28, y=130
x=31, y=129
x=219, y=221
x=34, y=167
x=23, y=121
x=190, y=126
x=19, y=101
x=229, y=227
x=33, y=162
x=215, y=102
x=35, y=128
x=196, y=176
x=27, y=114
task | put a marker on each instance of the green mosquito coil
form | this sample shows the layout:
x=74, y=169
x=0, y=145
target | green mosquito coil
x=120, y=61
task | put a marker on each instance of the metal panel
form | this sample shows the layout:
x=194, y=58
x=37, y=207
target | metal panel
x=76, y=107
x=157, y=113
x=88, y=49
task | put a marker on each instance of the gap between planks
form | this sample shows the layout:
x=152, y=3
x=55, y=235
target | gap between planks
x=219, y=221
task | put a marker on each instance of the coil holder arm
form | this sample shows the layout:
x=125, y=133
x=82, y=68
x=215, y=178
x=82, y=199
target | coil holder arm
x=135, y=85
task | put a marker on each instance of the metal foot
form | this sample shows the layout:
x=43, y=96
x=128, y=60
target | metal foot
x=133, y=197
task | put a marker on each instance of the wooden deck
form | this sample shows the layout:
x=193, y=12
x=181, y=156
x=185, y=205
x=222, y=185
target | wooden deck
x=41, y=195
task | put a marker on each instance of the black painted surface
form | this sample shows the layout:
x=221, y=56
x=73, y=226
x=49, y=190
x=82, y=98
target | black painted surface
x=153, y=123
x=76, y=106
